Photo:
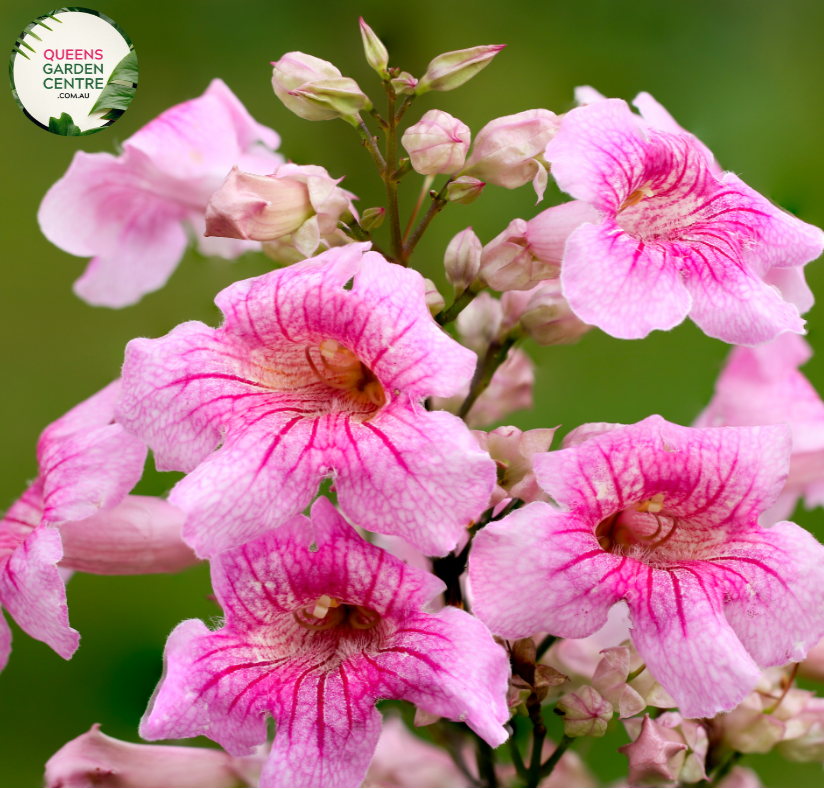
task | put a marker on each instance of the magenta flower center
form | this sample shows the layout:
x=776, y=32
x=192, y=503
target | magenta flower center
x=643, y=530
x=339, y=369
x=327, y=613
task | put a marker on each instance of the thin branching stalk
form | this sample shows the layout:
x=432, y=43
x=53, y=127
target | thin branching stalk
x=547, y=642
x=389, y=178
x=437, y=206
x=456, y=308
x=371, y=145
x=550, y=764
x=517, y=759
x=427, y=185
x=495, y=356
x=485, y=758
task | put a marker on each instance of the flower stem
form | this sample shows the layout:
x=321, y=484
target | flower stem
x=437, y=206
x=486, y=762
x=407, y=102
x=389, y=178
x=549, y=765
x=456, y=308
x=517, y=759
x=725, y=769
x=371, y=145
x=427, y=185
x=637, y=673
x=544, y=646
x=538, y=736
x=495, y=356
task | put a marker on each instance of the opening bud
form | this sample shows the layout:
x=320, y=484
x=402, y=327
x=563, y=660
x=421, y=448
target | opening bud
x=376, y=54
x=299, y=201
x=508, y=262
x=509, y=151
x=257, y=207
x=434, y=300
x=462, y=260
x=404, y=83
x=315, y=90
x=464, y=189
x=372, y=218
x=586, y=712
x=452, y=69
x=549, y=319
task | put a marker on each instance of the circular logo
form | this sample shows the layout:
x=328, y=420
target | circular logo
x=73, y=71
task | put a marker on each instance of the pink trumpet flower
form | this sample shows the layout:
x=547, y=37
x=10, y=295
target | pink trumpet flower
x=311, y=378
x=665, y=518
x=319, y=625
x=87, y=465
x=130, y=213
x=763, y=386
x=673, y=239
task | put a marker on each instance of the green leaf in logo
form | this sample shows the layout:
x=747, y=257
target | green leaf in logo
x=64, y=125
x=120, y=90
x=126, y=70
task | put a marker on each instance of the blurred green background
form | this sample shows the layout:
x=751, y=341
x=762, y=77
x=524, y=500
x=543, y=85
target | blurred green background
x=744, y=75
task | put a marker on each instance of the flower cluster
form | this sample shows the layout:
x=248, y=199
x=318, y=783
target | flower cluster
x=365, y=544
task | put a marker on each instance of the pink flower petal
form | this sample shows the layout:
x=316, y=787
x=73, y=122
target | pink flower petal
x=598, y=154
x=32, y=591
x=778, y=574
x=728, y=301
x=427, y=664
x=394, y=469
x=678, y=627
x=128, y=212
x=720, y=478
x=574, y=598
x=87, y=462
x=247, y=129
x=5, y=641
x=622, y=285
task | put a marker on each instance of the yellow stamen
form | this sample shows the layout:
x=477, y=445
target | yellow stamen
x=636, y=196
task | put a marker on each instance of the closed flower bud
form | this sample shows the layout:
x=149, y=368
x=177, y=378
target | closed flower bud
x=376, y=54
x=452, y=69
x=314, y=89
x=141, y=535
x=372, y=218
x=284, y=252
x=340, y=96
x=464, y=189
x=513, y=452
x=437, y=143
x=257, y=207
x=549, y=319
x=655, y=756
x=586, y=713
x=508, y=262
x=434, y=300
x=301, y=201
x=462, y=260
x=404, y=83
x=509, y=151
x=94, y=759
